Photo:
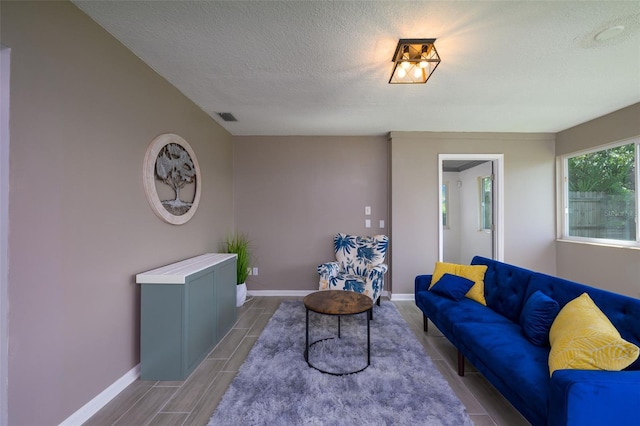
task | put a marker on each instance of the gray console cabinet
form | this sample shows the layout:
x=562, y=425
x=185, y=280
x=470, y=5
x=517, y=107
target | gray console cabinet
x=186, y=308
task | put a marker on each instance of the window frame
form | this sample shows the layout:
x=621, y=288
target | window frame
x=563, y=211
x=444, y=211
x=482, y=208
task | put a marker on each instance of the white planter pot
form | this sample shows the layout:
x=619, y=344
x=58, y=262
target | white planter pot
x=241, y=294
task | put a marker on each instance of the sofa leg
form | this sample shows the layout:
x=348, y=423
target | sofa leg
x=460, y=364
x=425, y=323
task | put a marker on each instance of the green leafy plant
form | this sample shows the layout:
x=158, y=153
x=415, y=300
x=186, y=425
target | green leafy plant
x=610, y=171
x=238, y=243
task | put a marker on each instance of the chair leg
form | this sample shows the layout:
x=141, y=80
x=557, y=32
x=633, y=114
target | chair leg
x=378, y=301
x=460, y=364
x=425, y=323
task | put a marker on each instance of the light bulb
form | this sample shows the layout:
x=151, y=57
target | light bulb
x=417, y=73
x=423, y=57
x=405, y=58
x=402, y=73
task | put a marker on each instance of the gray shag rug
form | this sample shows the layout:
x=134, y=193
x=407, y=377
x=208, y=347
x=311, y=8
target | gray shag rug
x=275, y=386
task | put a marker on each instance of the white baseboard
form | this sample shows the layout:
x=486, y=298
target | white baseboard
x=103, y=398
x=403, y=297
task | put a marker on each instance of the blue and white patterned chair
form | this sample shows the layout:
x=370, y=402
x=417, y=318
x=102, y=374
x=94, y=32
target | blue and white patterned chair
x=358, y=267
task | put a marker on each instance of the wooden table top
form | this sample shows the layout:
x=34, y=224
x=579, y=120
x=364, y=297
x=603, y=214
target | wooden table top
x=337, y=302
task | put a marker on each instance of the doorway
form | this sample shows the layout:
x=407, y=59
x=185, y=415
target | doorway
x=471, y=206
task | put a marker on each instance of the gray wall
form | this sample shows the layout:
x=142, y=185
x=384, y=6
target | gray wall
x=83, y=111
x=529, y=198
x=293, y=194
x=612, y=268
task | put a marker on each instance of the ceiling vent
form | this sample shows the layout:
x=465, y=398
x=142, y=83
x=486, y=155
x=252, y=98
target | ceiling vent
x=227, y=116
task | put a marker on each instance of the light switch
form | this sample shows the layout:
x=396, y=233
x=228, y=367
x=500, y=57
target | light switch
x=381, y=223
x=367, y=223
x=367, y=210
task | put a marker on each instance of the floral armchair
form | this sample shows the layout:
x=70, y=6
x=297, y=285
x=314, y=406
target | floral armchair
x=358, y=267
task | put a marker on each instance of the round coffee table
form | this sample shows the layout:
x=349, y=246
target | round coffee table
x=337, y=302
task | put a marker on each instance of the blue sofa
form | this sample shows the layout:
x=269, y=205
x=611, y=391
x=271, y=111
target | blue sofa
x=490, y=337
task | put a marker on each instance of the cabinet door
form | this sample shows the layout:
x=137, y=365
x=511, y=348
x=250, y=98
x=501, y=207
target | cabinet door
x=161, y=310
x=201, y=318
x=225, y=282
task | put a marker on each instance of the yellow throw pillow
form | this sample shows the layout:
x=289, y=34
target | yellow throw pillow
x=474, y=273
x=583, y=338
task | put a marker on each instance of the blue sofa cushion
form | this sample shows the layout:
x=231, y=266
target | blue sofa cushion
x=446, y=312
x=536, y=318
x=500, y=350
x=504, y=286
x=452, y=286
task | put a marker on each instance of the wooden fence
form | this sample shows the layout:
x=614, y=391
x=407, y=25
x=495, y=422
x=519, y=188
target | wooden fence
x=601, y=215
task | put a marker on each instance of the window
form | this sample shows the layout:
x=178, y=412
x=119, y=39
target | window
x=485, y=203
x=600, y=197
x=445, y=204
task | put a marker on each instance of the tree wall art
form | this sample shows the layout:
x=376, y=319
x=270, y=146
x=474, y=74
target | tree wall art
x=172, y=178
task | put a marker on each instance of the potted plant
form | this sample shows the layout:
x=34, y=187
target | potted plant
x=238, y=243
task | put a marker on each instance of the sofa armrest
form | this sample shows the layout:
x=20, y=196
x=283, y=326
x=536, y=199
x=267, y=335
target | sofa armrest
x=328, y=269
x=422, y=283
x=594, y=397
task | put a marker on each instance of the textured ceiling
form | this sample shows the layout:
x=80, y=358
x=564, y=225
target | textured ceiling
x=322, y=67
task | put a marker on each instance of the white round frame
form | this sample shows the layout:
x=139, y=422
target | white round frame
x=149, y=178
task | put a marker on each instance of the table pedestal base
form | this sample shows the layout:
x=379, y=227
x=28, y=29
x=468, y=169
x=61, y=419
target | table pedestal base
x=307, y=346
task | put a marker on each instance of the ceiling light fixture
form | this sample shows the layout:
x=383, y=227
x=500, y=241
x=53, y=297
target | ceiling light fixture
x=414, y=61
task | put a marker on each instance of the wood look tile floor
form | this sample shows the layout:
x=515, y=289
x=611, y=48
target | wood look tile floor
x=192, y=402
